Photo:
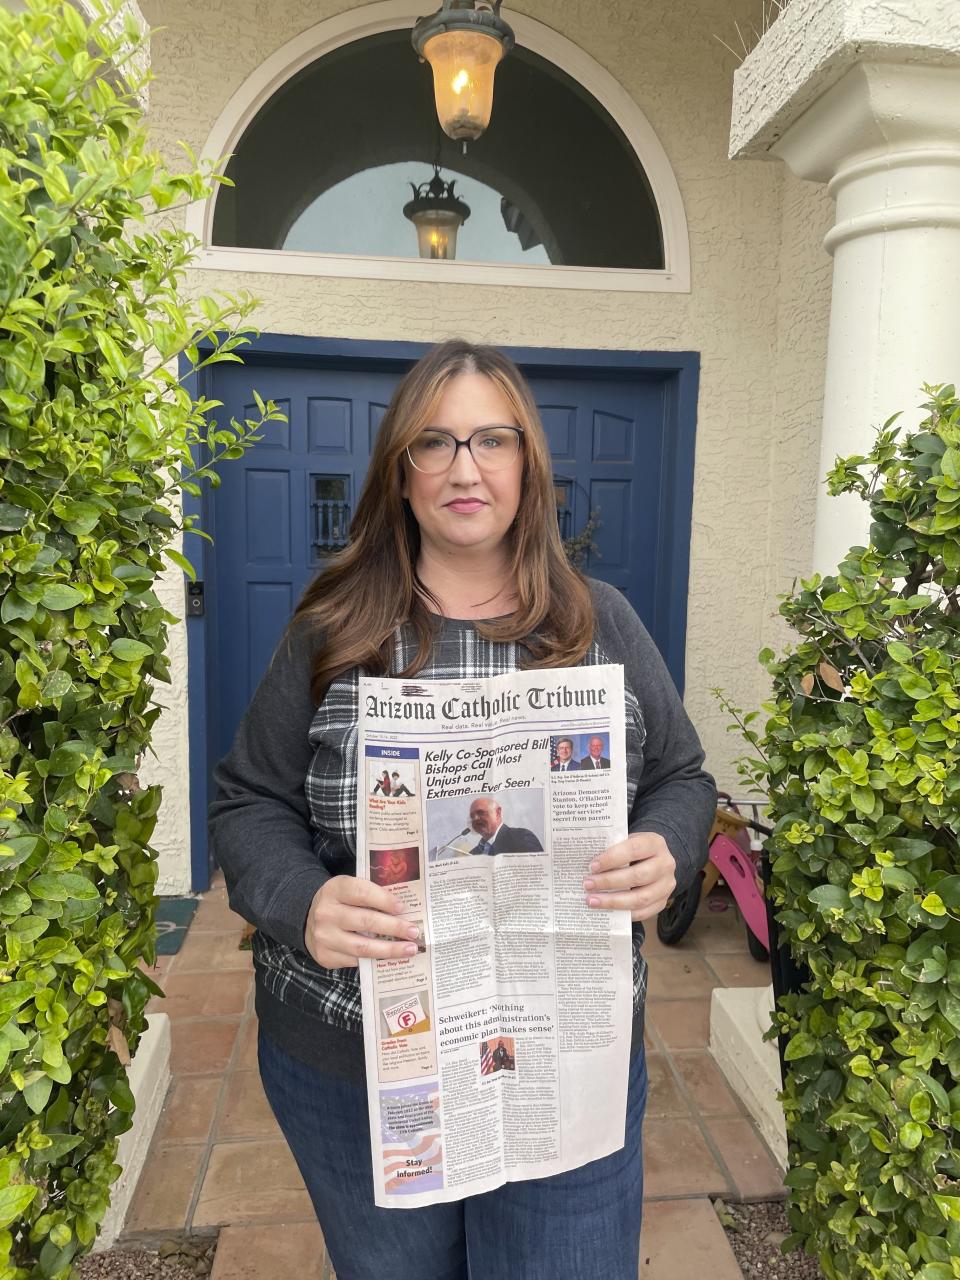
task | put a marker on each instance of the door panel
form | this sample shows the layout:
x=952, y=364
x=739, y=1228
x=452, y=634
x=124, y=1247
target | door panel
x=279, y=508
x=607, y=441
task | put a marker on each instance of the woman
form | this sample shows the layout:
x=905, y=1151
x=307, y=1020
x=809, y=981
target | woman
x=455, y=569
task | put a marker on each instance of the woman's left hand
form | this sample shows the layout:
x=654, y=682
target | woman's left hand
x=637, y=875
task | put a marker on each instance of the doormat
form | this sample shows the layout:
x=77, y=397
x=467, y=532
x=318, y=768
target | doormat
x=173, y=920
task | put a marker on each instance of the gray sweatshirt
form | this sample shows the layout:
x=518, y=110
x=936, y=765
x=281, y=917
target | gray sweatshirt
x=283, y=820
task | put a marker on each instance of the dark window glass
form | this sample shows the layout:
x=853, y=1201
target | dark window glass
x=329, y=513
x=326, y=166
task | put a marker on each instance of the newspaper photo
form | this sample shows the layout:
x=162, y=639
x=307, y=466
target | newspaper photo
x=500, y=1051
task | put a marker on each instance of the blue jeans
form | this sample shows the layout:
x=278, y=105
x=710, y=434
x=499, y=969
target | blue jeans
x=573, y=1226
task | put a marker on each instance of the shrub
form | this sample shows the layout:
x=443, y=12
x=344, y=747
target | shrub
x=859, y=757
x=95, y=430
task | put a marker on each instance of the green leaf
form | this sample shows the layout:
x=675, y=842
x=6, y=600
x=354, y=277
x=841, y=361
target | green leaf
x=48, y=888
x=948, y=890
x=66, y=759
x=12, y=996
x=911, y=1135
x=181, y=561
x=111, y=353
x=78, y=887
x=11, y=516
x=906, y=850
x=801, y=1045
x=61, y=1144
x=14, y=606
x=949, y=1005
x=800, y=1178
x=933, y=905
x=921, y=1107
x=76, y=910
x=59, y=596
x=57, y=685
x=830, y=897
x=37, y=1094
x=915, y=685
x=897, y=878
x=949, y=1206
x=838, y=602
x=29, y=927
x=14, y=1201
x=935, y=1089
x=17, y=850
x=130, y=650
x=900, y=652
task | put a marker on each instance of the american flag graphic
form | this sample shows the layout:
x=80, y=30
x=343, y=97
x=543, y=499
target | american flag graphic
x=487, y=1064
x=412, y=1162
x=401, y=1178
x=554, y=739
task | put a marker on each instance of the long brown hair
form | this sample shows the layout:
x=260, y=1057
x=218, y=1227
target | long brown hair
x=371, y=587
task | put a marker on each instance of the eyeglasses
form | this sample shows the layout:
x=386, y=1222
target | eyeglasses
x=492, y=449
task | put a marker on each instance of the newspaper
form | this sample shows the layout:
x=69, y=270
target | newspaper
x=500, y=1051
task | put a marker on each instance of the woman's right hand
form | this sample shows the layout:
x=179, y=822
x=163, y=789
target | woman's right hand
x=344, y=911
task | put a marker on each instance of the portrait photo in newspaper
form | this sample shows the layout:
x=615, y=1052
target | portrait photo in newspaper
x=490, y=824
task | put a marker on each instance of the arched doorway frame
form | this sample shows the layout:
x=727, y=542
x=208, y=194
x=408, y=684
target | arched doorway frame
x=394, y=15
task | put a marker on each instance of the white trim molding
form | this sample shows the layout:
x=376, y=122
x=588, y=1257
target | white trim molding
x=395, y=15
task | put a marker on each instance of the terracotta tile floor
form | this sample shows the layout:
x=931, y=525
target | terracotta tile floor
x=218, y=1160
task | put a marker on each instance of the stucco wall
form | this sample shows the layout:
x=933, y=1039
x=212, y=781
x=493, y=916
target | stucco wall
x=757, y=312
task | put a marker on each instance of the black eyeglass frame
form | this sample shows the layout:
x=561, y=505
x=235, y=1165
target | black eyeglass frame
x=468, y=445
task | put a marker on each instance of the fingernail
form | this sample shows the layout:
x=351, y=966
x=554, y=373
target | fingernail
x=588, y=884
x=593, y=902
x=413, y=931
x=410, y=950
x=595, y=865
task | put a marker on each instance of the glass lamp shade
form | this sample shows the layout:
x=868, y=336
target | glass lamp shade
x=464, y=64
x=437, y=232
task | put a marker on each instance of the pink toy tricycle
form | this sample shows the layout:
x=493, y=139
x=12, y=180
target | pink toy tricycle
x=734, y=856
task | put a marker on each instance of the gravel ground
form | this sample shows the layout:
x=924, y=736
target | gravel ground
x=173, y=1260
x=755, y=1232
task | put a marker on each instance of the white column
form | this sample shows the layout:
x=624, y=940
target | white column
x=865, y=97
x=886, y=139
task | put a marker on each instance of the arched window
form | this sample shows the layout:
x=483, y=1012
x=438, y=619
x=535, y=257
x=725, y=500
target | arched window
x=327, y=162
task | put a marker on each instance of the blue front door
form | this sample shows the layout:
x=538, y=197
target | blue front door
x=281, y=509
x=607, y=444
x=621, y=439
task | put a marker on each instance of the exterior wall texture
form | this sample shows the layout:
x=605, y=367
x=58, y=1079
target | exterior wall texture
x=757, y=312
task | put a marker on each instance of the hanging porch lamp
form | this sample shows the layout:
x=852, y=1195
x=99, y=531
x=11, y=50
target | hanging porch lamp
x=438, y=215
x=463, y=42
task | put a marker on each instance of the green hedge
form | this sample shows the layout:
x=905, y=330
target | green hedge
x=860, y=757
x=95, y=434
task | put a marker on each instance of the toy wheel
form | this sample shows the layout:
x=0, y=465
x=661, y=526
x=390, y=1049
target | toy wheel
x=755, y=946
x=677, y=916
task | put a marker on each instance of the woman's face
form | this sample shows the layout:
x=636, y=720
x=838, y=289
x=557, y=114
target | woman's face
x=466, y=511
